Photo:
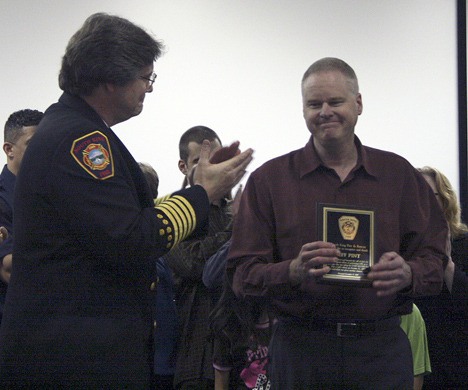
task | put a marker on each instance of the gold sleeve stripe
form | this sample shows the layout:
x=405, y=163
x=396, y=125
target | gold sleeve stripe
x=157, y=201
x=185, y=205
x=186, y=226
x=174, y=220
x=187, y=211
x=181, y=215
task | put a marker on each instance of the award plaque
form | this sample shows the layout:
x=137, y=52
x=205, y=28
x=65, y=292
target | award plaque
x=352, y=230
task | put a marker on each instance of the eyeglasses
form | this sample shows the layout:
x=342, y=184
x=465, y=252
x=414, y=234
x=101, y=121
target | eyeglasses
x=150, y=79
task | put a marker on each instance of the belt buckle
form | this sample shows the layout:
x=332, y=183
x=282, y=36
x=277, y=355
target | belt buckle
x=341, y=328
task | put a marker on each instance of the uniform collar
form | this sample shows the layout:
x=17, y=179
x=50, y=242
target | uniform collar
x=80, y=105
x=8, y=179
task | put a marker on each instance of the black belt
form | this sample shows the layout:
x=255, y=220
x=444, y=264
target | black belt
x=345, y=328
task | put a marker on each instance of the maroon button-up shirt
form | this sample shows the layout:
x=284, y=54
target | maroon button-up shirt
x=278, y=214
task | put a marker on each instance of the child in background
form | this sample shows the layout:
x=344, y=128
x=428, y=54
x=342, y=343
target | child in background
x=241, y=334
x=165, y=333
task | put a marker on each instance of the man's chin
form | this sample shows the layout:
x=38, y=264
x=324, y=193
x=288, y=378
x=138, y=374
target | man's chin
x=138, y=109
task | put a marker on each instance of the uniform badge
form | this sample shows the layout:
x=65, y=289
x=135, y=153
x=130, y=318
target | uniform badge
x=92, y=152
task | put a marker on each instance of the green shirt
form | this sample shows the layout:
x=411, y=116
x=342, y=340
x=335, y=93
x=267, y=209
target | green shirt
x=414, y=326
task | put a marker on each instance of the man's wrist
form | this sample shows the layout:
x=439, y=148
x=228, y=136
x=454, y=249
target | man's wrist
x=409, y=279
x=295, y=276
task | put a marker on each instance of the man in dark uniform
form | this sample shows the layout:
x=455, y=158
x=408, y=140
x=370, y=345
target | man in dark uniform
x=19, y=129
x=78, y=310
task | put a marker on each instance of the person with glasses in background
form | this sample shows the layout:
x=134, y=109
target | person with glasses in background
x=79, y=308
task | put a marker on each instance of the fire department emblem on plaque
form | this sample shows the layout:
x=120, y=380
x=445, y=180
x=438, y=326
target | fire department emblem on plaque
x=348, y=226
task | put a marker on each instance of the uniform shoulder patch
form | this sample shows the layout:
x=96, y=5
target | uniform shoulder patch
x=93, y=153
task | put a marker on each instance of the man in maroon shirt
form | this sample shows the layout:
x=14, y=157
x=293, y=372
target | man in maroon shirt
x=336, y=335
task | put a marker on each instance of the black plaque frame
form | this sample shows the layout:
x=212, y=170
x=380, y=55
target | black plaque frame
x=352, y=230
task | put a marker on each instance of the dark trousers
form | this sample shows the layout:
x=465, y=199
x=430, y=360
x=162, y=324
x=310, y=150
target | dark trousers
x=305, y=358
x=163, y=382
x=199, y=384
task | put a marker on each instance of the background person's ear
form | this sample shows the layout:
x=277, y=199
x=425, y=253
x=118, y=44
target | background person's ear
x=7, y=148
x=183, y=167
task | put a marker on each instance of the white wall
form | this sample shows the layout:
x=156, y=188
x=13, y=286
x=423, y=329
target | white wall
x=236, y=66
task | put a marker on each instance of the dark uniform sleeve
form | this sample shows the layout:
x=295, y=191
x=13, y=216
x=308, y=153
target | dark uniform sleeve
x=178, y=215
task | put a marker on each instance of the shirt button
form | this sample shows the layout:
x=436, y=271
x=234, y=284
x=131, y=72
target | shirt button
x=155, y=324
x=153, y=286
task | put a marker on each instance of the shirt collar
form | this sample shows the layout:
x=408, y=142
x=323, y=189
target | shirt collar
x=309, y=160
